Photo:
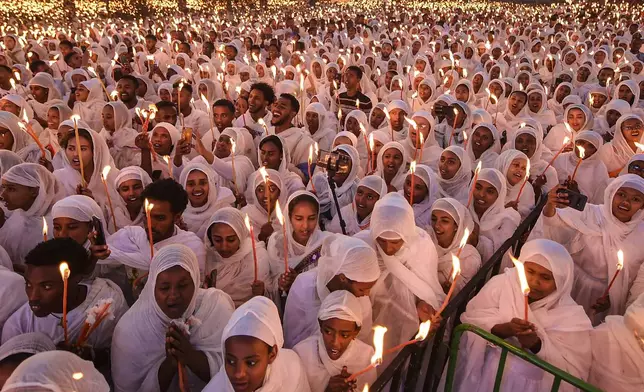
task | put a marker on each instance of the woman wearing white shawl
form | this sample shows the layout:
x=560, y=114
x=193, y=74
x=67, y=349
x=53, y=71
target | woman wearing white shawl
x=594, y=236
x=120, y=135
x=323, y=134
x=91, y=109
x=356, y=355
x=70, y=178
x=425, y=179
x=496, y=100
x=543, y=115
x=354, y=122
x=290, y=178
x=257, y=210
x=450, y=219
x=618, y=352
x=345, y=264
x=391, y=165
x=529, y=140
x=626, y=88
x=408, y=287
x=425, y=95
x=429, y=149
x=515, y=167
x=378, y=118
x=570, y=128
x=446, y=134
x=141, y=360
x=45, y=81
x=607, y=117
x=195, y=217
x=21, y=139
x=357, y=215
x=456, y=186
x=235, y=270
x=56, y=114
x=45, y=191
x=558, y=331
x=128, y=205
x=484, y=137
x=496, y=222
x=280, y=369
x=55, y=371
x=158, y=139
x=592, y=175
x=616, y=153
x=556, y=102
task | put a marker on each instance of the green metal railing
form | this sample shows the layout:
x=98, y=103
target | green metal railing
x=506, y=347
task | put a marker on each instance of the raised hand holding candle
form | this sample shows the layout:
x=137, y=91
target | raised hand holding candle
x=582, y=154
x=280, y=217
x=106, y=171
x=44, y=229
x=75, y=118
x=473, y=186
x=523, y=281
x=310, y=161
x=252, y=238
x=376, y=359
x=267, y=191
x=620, y=266
x=148, y=210
x=456, y=273
x=64, y=273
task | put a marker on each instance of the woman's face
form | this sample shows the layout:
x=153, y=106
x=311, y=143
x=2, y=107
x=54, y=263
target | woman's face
x=462, y=93
x=526, y=143
x=246, y=360
x=632, y=130
x=317, y=70
x=497, y=91
x=16, y=196
x=392, y=160
x=477, y=82
x=516, y=102
x=424, y=91
x=523, y=79
x=270, y=156
x=304, y=220
x=40, y=94
x=420, y=189
x=260, y=193
x=173, y=291
x=108, y=118
x=198, y=188
x=625, y=93
x=6, y=139
x=224, y=239
x=448, y=165
x=482, y=140
x=377, y=117
x=337, y=334
x=534, y=102
x=161, y=141
x=76, y=79
x=626, y=203
x=353, y=126
x=365, y=200
x=8, y=106
x=313, y=121
x=540, y=280
x=390, y=247
x=181, y=62
x=86, y=153
x=71, y=228
x=53, y=118
x=260, y=71
x=130, y=191
x=82, y=93
x=165, y=95
x=576, y=119
x=485, y=194
x=562, y=92
x=589, y=148
x=444, y=227
x=517, y=171
x=636, y=167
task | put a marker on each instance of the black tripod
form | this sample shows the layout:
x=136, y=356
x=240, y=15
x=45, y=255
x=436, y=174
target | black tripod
x=343, y=225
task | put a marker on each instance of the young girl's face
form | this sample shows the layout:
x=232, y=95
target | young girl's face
x=632, y=129
x=108, y=118
x=392, y=160
x=424, y=91
x=540, y=279
x=420, y=189
x=576, y=119
x=517, y=171
x=377, y=117
x=261, y=195
x=462, y=93
x=485, y=194
x=161, y=141
x=224, y=239
x=53, y=118
x=86, y=153
x=337, y=334
x=448, y=165
x=198, y=188
x=304, y=221
x=82, y=93
x=444, y=227
x=246, y=360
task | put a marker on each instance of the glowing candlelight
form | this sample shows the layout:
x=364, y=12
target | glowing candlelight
x=476, y=176
x=412, y=171
x=114, y=95
x=267, y=192
x=423, y=331
x=64, y=273
x=378, y=345
x=466, y=236
x=44, y=228
x=525, y=288
x=310, y=161
x=280, y=217
x=168, y=162
x=620, y=266
x=451, y=135
x=565, y=143
x=456, y=273
x=75, y=118
x=373, y=152
x=252, y=237
x=27, y=128
x=208, y=109
x=640, y=147
x=582, y=154
x=106, y=171
x=148, y=210
x=233, y=148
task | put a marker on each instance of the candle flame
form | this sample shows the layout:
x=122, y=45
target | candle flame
x=45, y=228
x=13, y=83
x=456, y=266
x=357, y=103
x=310, y=155
x=247, y=222
x=264, y=173
x=582, y=152
x=278, y=213
x=620, y=259
x=203, y=98
x=412, y=167
x=378, y=344
x=106, y=171
x=423, y=330
x=566, y=139
x=362, y=129
x=25, y=118
x=148, y=206
x=478, y=168
x=464, y=136
x=371, y=142
x=366, y=388
x=466, y=236
x=64, y=270
x=233, y=146
x=411, y=122
x=386, y=111
x=166, y=158
x=114, y=95
x=75, y=117
x=522, y=278
x=487, y=90
x=639, y=146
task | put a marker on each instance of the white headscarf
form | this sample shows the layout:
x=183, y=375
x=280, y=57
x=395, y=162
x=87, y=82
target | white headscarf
x=421, y=208
x=81, y=208
x=92, y=109
x=488, y=158
x=54, y=371
x=28, y=343
x=120, y=208
x=349, y=212
x=497, y=212
x=457, y=186
x=256, y=210
x=123, y=137
x=138, y=345
x=20, y=138
x=526, y=199
x=399, y=179
x=12, y=290
x=616, y=153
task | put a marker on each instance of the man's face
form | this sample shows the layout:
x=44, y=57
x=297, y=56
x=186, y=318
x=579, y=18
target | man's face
x=168, y=115
x=76, y=61
x=351, y=79
x=223, y=117
x=163, y=220
x=256, y=101
x=44, y=288
x=126, y=90
x=150, y=44
x=230, y=53
x=282, y=112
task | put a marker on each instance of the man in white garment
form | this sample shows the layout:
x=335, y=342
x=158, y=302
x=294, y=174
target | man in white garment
x=126, y=89
x=257, y=117
x=189, y=117
x=296, y=139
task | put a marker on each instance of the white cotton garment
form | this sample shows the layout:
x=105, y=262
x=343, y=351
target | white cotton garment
x=121, y=142
x=616, y=153
x=259, y=318
x=256, y=209
x=138, y=345
x=349, y=212
x=12, y=290
x=28, y=343
x=525, y=200
x=398, y=179
x=122, y=214
x=456, y=187
x=54, y=371
x=562, y=326
x=488, y=157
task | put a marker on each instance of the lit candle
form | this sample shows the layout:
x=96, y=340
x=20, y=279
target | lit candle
x=422, y=144
x=179, y=102
x=233, y=147
x=476, y=176
x=527, y=177
x=582, y=154
x=363, y=131
x=525, y=288
x=44, y=228
x=64, y=273
x=114, y=95
x=620, y=266
x=640, y=147
x=168, y=162
x=27, y=129
x=466, y=236
x=106, y=171
x=75, y=119
x=608, y=87
x=212, y=124
x=423, y=331
x=373, y=152
x=252, y=238
x=280, y=217
x=413, y=124
x=456, y=273
x=376, y=359
x=412, y=172
x=451, y=135
x=265, y=177
x=565, y=143
x=309, y=167
x=148, y=210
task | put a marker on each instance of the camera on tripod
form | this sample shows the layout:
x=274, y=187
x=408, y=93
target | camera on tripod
x=334, y=161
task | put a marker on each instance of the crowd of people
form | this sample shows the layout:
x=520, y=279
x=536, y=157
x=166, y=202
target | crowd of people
x=220, y=205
